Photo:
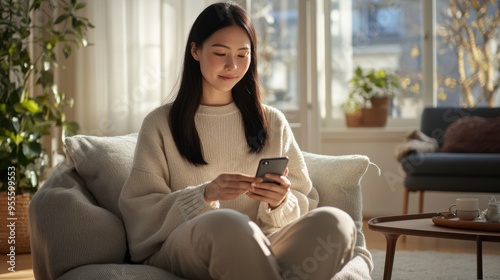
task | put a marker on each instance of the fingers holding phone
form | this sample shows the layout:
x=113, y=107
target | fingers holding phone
x=272, y=193
x=274, y=186
x=228, y=186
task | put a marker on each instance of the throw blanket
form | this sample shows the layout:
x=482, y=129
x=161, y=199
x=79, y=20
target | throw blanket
x=416, y=141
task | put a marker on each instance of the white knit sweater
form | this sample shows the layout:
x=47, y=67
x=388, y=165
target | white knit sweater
x=164, y=190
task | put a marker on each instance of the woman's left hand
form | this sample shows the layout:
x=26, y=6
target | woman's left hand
x=272, y=193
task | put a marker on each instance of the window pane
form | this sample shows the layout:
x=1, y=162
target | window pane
x=276, y=26
x=467, y=41
x=376, y=34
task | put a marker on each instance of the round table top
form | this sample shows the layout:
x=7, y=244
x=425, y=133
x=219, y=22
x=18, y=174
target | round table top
x=422, y=225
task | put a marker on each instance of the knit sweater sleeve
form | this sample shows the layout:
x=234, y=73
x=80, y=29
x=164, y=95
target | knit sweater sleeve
x=151, y=211
x=296, y=202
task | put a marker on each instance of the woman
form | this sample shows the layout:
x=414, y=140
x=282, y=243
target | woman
x=191, y=204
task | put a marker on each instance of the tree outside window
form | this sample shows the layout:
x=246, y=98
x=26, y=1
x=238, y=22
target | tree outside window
x=468, y=55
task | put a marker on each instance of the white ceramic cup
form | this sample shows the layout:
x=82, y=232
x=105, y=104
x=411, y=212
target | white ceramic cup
x=465, y=208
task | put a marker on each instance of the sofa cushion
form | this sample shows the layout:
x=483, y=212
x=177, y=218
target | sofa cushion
x=104, y=164
x=452, y=164
x=331, y=175
x=452, y=183
x=337, y=181
x=473, y=135
x=68, y=230
x=435, y=120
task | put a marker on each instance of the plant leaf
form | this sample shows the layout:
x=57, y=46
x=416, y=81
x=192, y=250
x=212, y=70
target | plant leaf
x=18, y=139
x=67, y=51
x=31, y=106
x=71, y=128
x=32, y=149
x=35, y=5
x=359, y=71
x=61, y=18
x=80, y=6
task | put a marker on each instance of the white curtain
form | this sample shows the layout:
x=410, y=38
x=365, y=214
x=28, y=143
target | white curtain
x=134, y=63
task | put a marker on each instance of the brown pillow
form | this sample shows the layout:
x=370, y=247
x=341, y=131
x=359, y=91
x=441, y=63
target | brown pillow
x=473, y=135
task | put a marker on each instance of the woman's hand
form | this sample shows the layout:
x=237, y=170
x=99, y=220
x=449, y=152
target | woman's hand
x=228, y=186
x=272, y=193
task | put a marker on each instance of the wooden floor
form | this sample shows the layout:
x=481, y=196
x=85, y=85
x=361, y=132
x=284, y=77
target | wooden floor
x=374, y=240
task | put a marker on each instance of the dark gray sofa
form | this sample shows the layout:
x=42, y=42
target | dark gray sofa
x=450, y=172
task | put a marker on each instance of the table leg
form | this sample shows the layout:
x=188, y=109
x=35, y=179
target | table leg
x=479, y=258
x=391, y=239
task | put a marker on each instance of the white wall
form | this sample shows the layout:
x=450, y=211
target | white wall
x=383, y=195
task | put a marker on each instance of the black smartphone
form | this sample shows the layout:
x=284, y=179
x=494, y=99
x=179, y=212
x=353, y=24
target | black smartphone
x=275, y=165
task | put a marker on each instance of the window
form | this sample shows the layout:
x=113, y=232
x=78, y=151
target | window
x=389, y=34
x=372, y=35
x=376, y=23
x=308, y=51
x=276, y=24
x=467, y=38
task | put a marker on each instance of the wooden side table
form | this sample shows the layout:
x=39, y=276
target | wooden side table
x=421, y=225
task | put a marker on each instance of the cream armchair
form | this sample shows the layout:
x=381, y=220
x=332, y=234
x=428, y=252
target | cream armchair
x=77, y=230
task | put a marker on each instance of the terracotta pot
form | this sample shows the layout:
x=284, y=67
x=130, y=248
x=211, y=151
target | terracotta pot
x=19, y=231
x=379, y=102
x=353, y=119
x=376, y=115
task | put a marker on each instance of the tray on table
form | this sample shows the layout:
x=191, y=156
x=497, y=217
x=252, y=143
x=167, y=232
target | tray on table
x=447, y=219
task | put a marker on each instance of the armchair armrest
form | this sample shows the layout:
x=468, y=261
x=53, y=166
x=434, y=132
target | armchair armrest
x=68, y=229
x=337, y=181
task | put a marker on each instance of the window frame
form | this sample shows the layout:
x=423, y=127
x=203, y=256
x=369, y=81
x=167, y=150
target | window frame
x=429, y=81
x=310, y=82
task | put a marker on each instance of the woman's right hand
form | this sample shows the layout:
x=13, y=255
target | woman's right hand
x=228, y=186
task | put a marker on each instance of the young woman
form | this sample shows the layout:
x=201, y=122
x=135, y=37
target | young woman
x=192, y=205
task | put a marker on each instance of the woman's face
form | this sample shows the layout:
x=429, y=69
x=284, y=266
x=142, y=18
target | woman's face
x=224, y=59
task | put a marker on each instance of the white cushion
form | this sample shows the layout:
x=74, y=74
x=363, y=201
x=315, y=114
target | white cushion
x=332, y=175
x=104, y=164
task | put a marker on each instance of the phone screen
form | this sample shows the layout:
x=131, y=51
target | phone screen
x=275, y=165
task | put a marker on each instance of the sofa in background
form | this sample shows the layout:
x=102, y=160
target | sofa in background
x=77, y=230
x=466, y=158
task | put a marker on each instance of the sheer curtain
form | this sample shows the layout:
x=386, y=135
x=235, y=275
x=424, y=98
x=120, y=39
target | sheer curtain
x=134, y=63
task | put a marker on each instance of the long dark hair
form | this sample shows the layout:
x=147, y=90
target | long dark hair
x=246, y=93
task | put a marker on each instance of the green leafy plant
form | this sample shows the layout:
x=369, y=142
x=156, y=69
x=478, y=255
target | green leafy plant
x=31, y=104
x=351, y=106
x=373, y=84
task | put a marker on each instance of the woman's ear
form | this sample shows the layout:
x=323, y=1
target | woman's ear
x=194, y=51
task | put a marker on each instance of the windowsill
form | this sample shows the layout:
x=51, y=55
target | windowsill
x=386, y=134
x=385, y=129
x=395, y=130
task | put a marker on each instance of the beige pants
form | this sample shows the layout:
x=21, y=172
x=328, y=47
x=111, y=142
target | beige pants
x=225, y=244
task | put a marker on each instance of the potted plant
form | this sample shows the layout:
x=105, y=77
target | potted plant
x=375, y=88
x=352, y=112
x=33, y=33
